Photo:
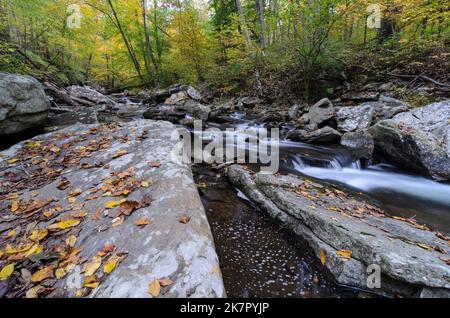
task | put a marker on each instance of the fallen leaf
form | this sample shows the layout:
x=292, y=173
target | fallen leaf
x=38, y=235
x=142, y=222
x=97, y=215
x=34, y=292
x=425, y=247
x=71, y=240
x=89, y=269
x=184, y=219
x=79, y=214
x=6, y=272
x=128, y=207
x=63, y=184
x=60, y=273
x=118, y=221
x=91, y=282
x=111, y=264
x=154, y=288
x=165, y=282
x=15, y=206
x=42, y=274
x=120, y=154
x=323, y=257
x=13, y=161
x=346, y=254
x=64, y=224
x=146, y=184
x=155, y=164
x=20, y=249
x=113, y=204
x=10, y=234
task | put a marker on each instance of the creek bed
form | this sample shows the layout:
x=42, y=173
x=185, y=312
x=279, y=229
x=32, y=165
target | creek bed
x=258, y=257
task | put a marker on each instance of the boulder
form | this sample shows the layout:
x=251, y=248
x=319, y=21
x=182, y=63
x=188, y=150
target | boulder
x=351, y=236
x=294, y=112
x=322, y=112
x=322, y=135
x=360, y=143
x=89, y=94
x=112, y=210
x=355, y=118
x=194, y=94
x=418, y=139
x=23, y=103
x=388, y=107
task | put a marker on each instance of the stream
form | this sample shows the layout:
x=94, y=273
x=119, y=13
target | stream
x=261, y=259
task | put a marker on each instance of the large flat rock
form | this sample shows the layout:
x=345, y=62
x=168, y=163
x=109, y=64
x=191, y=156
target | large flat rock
x=77, y=176
x=412, y=258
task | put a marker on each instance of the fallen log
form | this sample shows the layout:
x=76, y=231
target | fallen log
x=61, y=94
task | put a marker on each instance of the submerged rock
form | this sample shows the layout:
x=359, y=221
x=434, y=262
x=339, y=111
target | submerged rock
x=418, y=139
x=23, y=103
x=351, y=237
x=113, y=210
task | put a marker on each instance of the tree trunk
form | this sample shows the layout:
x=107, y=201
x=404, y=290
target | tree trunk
x=243, y=23
x=259, y=8
x=127, y=43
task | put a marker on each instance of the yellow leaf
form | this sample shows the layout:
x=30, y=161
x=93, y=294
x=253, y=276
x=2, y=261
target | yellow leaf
x=346, y=254
x=89, y=269
x=42, y=274
x=111, y=264
x=113, y=204
x=6, y=272
x=323, y=257
x=60, y=273
x=154, y=288
x=146, y=184
x=13, y=161
x=34, y=250
x=71, y=240
x=72, y=200
x=38, y=235
x=64, y=224
x=20, y=249
x=15, y=206
x=91, y=282
x=79, y=293
x=10, y=234
x=34, y=292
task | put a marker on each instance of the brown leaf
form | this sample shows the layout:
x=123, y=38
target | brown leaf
x=154, y=288
x=165, y=282
x=97, y=215
x=142, y=222
x=63, y=184
x=155, y=164
x=128, y=207
x=118, y=221
x=15, y=206
x=120, y=154
x=184, y=219
x=42, y=274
